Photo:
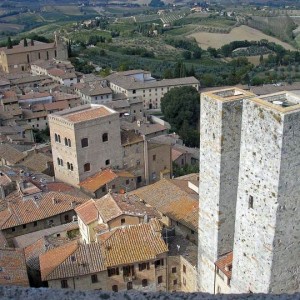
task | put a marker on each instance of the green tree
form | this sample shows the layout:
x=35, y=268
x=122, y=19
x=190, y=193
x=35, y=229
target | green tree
x=167, y=74
x=9, y=43
x=181, y=108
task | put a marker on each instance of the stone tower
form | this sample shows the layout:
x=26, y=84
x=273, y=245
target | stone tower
x=266, y=254
x=61, y=47
x=220, y=132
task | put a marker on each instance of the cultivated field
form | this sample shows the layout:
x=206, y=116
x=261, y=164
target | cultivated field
x=11, y=27
x=217, y=40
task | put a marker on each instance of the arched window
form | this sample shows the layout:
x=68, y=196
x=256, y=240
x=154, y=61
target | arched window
x=71, y=167
x=61, y=162
x=87, y=167
x=107, y=162
x=66, y=141
x=58, y=161
x=56, y=137
x=105, y=137
x=69, y=142
x=68, y=165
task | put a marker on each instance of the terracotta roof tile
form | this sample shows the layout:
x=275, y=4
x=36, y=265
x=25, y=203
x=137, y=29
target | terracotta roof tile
x=175, y=154
x=133, y=244
x=20, y=48
x=127, y=245
x=75, y=260
x=171, y=200
x=224, y=263
x=96, y=181
x=93, y=183
x=50, y=204
x=10, y=154
x=37, y=162
x=54, y=257
x=13, y=267
x=87, y=212
x=88, y=114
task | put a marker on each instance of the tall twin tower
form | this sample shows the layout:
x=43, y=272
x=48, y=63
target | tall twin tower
x=249, y=190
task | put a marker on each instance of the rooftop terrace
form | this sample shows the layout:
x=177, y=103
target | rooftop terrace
x=230, y=94
x=281, y=101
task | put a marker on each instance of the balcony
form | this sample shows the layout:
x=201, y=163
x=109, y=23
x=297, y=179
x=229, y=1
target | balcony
x=128, y=278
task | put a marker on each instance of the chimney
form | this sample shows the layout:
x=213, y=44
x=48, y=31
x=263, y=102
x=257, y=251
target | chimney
x=54, y=200
x=73, y=204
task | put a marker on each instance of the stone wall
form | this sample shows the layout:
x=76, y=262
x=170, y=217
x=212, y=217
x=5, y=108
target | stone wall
x=220, y=129
x=266, y=247
x=19, y=293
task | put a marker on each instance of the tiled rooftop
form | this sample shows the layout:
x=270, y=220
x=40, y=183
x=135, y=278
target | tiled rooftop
x=84, y=113
x=173, y=201
x=10, y=154
x=113, y=205
x=127, y=245
x=87, y=212
x=98, y=180
x=50, y=204
x=133, y=244
x=224, y=263
x=74, y=260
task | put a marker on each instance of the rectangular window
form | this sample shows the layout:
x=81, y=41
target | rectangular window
x=159, y=263
x=114, y=288
x=84, y=142
x=94, y=278
x=122, y=221
x=154, y=157
x=174, y=270
x=64, y=284
x=174, y=281
x=250, y=203
x=184, y=269
x=112, y=272
x=144, y=266
x=159, y=279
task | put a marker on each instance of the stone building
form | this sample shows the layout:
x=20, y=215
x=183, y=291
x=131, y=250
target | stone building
x=110, y=212
x=129, y=258
x=249, y=191
x=19, y=57
x=84, y=139
x=140, y=83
